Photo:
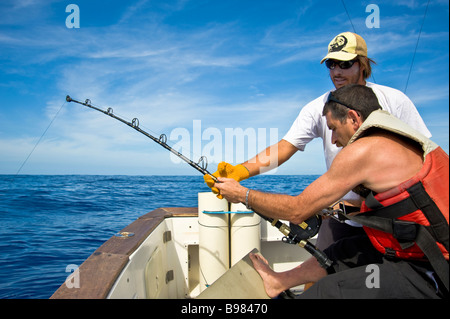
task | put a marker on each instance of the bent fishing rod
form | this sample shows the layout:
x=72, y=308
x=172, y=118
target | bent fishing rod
x=294, y=234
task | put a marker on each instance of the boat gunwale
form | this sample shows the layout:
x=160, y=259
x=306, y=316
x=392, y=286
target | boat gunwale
x=101, y=269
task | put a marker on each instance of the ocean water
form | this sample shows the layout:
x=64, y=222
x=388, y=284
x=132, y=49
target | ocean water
x=50, y=222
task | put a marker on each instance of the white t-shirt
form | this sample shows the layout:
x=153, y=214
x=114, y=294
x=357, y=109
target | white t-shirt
x=310, y=123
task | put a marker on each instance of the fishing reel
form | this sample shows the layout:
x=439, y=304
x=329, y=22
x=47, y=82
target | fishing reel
x=308, y=229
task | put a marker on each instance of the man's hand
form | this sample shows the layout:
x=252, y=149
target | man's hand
x=238, y=173
x=231, y=190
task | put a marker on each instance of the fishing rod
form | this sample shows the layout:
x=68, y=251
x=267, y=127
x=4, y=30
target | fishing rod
x=162, y=140
x=294, y=234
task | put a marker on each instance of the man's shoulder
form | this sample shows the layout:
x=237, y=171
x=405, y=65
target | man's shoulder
x=386, y=90
x=317, y=104
x=392, y=100
x=370, y=147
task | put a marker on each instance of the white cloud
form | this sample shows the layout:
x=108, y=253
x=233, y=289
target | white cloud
x=168, y=76
x=427, y=96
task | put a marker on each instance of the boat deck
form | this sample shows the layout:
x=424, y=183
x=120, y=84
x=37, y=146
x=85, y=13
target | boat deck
x=99, y=272
x=161, y=259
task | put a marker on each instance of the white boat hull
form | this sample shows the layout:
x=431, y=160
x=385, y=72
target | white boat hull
x=161, y=260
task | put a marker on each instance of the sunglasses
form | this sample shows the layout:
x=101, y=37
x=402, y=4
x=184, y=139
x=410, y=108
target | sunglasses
x=331, y=98
x=331, y=64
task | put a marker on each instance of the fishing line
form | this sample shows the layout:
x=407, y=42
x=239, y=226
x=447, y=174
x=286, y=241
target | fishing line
x=354, y=30
x=348, y=15
x=417, y=45
x=42, y=136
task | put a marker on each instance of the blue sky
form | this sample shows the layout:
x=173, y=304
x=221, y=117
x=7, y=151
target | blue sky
x=200, y=68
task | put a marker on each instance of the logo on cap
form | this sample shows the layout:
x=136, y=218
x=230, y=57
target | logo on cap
x=345, y=47
x=338, y=43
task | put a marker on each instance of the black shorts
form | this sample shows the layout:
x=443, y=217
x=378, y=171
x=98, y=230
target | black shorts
x=331, y=231
x=359, y=271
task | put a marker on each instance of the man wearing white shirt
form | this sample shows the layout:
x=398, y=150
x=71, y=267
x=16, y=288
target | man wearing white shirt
x=348, y=63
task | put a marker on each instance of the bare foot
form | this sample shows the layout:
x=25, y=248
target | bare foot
x=270, y=278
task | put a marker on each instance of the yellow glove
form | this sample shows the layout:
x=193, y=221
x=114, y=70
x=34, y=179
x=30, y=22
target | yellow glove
x=238, y=173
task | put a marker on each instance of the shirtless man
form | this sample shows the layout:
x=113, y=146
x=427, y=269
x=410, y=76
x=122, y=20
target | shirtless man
x=348, y=63
x=380, y=160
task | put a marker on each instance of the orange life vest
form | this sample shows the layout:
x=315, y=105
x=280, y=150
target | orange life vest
x=410, y=221
x=422, y=200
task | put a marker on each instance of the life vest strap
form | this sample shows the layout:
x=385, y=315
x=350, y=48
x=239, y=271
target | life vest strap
x=418, y=199
x=384, y=218
x=440, y=265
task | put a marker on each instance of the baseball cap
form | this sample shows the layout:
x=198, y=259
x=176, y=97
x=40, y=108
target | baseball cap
x=345, y=47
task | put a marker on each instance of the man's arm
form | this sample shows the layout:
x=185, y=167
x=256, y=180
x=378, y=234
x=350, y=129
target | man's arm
x=344, y=174
x=270, y=158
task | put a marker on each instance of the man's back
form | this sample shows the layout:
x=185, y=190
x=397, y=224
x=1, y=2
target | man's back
x=384, y=160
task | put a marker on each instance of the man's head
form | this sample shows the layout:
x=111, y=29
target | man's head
x=346, y=109
x=347, y=60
